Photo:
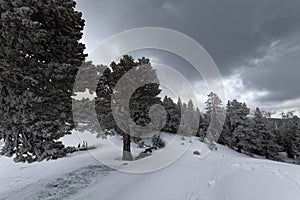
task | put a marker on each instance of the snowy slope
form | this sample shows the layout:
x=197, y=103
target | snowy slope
x=222, y=175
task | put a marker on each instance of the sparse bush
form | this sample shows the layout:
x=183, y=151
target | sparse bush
x=158, y=142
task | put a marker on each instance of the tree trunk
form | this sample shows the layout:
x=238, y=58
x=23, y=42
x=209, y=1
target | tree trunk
x=126, y=148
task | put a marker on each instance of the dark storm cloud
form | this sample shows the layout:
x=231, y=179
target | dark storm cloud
x=235, y=33
x=224, y=28
x=277, y=72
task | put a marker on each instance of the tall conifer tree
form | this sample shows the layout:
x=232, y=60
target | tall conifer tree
x=39, y=58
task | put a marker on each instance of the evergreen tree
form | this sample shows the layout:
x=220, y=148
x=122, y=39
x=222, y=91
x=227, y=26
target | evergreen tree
x=200, y=132
x=237, y=127
x=184, y=123
x=262, y=135
x=86, y=118
x=193, y=117
x=89, y=77
x=139, y=104
x=213, y=103
x=84, y=108
x=189, y=121
x=291, y=135
x=213, y=106
x=39, y=58
x=213, y=118
x=173, y=115
x=179, y=103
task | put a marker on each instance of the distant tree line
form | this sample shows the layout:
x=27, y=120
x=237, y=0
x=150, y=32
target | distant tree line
x=255, y=133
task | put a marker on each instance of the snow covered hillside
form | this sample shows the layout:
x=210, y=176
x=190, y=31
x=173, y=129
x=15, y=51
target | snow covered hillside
x=222, y=175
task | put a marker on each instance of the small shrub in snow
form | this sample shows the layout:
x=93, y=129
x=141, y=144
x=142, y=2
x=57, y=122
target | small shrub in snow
x=158, y=142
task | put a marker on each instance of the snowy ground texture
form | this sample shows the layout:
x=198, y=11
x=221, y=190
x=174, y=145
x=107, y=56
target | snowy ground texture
x=223, y=175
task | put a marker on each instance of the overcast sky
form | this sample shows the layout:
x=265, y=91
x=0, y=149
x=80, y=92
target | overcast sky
x=255, y=43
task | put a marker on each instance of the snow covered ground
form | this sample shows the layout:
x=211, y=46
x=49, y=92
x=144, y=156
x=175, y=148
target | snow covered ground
x=222, y=175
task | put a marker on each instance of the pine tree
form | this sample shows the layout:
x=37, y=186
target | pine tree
x=193, y=119
x=179, y=103
x=173, y=115
x=40, y=55
x=291, y=135
x=200, y=132
x=213, y=103
x=237, y=126
x=214, y=118
x=84, y=108
x=262, y=136
x=213, y=107
x=184, y=123
x=88, y=78
x=86, y=118
x=139, y=104
x=189, y=120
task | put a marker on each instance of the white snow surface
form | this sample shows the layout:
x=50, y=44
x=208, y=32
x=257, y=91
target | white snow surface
x=223, y=175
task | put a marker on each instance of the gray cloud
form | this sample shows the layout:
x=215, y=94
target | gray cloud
x=277, y=72
x=239, y=35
